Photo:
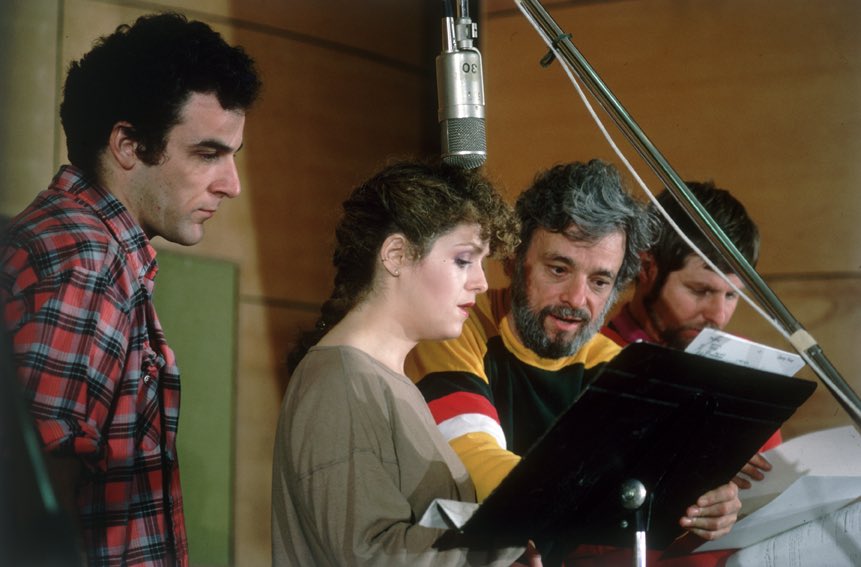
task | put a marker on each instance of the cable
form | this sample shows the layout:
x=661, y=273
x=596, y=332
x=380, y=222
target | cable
x=553, y=45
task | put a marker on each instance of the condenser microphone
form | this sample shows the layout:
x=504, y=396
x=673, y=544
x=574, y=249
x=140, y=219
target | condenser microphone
x=460, y=94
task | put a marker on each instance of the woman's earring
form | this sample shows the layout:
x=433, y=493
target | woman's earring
x=395, y=272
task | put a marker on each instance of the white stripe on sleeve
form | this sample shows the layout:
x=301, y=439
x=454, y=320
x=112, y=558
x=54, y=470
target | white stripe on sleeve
x=454, y=427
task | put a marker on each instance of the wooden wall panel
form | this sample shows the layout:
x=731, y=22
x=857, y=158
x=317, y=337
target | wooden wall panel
x=763, y=100
x=28, y=66
x=383, y=28
x=391, y=29
x=266, y=332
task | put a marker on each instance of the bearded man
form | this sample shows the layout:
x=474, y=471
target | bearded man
x=528, y=350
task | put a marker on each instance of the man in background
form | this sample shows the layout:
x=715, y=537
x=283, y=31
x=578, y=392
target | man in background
x=153, y=115
x=677, y=295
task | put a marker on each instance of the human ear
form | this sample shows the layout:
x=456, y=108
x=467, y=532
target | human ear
x=648, y=270
x=393, y=253
x=121, y=145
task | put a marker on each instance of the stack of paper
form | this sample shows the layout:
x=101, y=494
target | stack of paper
x=808, y=506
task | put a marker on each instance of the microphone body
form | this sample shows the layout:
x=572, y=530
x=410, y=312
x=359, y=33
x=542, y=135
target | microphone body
x=460, y=94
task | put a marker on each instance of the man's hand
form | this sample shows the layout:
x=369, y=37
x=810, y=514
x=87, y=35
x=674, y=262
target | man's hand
x=714, y=514
x=755, y=469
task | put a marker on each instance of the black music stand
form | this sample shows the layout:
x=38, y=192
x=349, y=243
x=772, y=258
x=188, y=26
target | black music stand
x=679, y=423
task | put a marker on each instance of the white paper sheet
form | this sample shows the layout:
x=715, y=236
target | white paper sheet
x=447, y=514
x=813, y=476
x=712, y=343
x=833, y=541
x=831, y=452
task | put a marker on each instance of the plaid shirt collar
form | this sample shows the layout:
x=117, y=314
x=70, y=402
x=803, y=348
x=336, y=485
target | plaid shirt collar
x=114, y=214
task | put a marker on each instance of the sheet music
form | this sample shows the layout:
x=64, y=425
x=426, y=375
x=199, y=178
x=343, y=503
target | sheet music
x=830, y=452
x=833, y=540
x=813, y=477
x=719, y=345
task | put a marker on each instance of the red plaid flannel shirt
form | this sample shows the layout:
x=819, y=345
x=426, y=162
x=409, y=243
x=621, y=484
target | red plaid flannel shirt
x=76, y=280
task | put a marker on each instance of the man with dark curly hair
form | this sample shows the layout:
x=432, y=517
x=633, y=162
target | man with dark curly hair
x=154, y=115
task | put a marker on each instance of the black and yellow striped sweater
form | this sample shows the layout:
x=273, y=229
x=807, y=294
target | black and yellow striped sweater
x=491, y=396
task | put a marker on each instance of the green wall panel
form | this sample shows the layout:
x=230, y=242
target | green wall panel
x=196, y=299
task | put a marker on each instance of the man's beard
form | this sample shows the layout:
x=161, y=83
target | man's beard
x=673, y=337
x=530, y=325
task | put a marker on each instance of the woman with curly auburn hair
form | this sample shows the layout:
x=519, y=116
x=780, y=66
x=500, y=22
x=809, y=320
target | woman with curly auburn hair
x=358, y=457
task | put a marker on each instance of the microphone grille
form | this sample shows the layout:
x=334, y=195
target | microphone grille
x=464, y=142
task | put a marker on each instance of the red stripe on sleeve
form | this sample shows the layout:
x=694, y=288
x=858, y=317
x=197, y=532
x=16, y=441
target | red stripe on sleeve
x=459, y=403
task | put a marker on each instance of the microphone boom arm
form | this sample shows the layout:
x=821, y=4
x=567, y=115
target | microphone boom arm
x=800, y=339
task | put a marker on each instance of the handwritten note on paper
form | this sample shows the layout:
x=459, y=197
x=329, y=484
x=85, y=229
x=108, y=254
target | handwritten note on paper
x=718, y=345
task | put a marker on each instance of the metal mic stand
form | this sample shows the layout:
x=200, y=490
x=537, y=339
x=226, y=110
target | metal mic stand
x=632, y=495
x=800, y=339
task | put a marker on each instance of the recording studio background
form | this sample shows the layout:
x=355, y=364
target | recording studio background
x=762, y=97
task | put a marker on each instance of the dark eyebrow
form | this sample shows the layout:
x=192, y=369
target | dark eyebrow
x=218, y=146
x=705, y=287
x=553, y=257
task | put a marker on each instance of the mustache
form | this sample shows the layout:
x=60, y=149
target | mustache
x=562, y=312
